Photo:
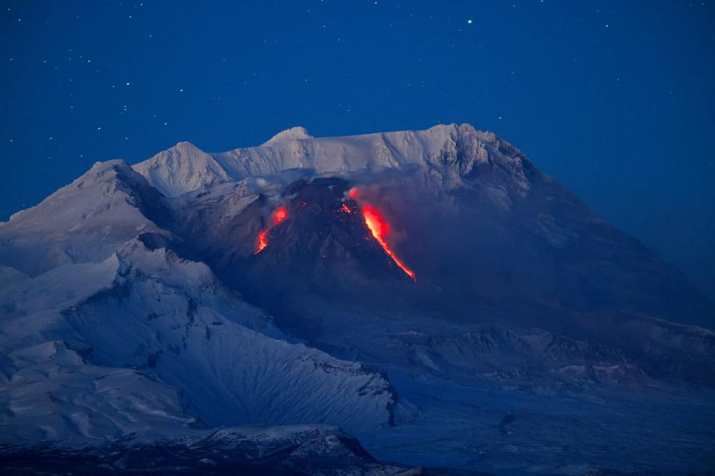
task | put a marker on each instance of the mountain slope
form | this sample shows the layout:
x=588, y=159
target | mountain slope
x=501, y=228
x=90, y=268
x=171, y=318
x=84, y=221
x=181, y=169
x=315, y=450
x=269, y=286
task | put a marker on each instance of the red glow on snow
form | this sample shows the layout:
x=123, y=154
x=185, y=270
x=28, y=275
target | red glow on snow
x=278, y=216
x=380, y=230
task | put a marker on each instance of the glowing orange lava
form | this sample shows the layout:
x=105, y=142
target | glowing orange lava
x=346, y=209
x=262, y=242
x=380, y=230
x=278, y=216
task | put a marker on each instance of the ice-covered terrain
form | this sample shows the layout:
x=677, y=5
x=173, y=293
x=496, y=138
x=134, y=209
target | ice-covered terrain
x=138, y=317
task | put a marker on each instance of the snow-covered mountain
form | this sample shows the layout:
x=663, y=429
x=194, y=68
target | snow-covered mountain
x=181, y=169
x=145, y=309
x=431, y=291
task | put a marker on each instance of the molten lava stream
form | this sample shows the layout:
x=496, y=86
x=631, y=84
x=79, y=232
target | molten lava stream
x=278, y=216
x=380, y=229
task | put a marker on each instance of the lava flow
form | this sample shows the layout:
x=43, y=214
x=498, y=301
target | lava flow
x=278, y=216
x=380, y=230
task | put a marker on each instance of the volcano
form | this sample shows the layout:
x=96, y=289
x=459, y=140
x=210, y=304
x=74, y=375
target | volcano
x=432, y=293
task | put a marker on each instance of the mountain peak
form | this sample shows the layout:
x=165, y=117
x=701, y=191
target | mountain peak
x=181, y=169
x=294, y=133
x=186, y=146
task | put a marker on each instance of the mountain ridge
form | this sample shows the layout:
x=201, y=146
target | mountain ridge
x=149, y=278
x=327, y=154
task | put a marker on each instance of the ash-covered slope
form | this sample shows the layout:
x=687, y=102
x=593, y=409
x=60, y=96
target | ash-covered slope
x=481, y=219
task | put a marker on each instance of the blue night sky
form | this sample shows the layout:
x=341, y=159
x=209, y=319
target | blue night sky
x=615, y=99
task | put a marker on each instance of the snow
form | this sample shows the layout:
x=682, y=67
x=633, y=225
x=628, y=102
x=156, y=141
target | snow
x=171, y=318
x=85, y=221
x=181, y=169
x=316, y=449
x=115, y=328
x=56, y=395
x=343, y=154
x=294, y=133
x=435, y=150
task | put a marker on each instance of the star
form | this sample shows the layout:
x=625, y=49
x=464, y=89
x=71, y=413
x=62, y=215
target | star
x=469, y=21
